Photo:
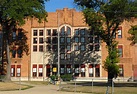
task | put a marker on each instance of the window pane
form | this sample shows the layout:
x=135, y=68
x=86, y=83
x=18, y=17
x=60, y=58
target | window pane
x=97, y=46
x=40, y=40
x=82, y=31
x=62, y=47
x=120, y=33
x=76, y=39
x=41, y=48
x=62, y=56
x=54, y=32
x=20, y=35
x=120, y=51
x=90, y=32
x=82, y=47
x=90, y=39
x=54, y=48
x=62, y=40
x=35, y=33
x=68, y=31
x=14, y=35
x=34, y=48
x=68, y=56
x=54, y=40
x=48, y=47
x=41, y=33
x=68, y=39
x=90, y=47
x=19, y=52
x=96, y=39
x=14, y=52
x=48, y=40
x=48, y=32
x=76, y=32
x=82, y=39
x=35, y=40
x=63, y=31
x=76, y=47
x=68, y=47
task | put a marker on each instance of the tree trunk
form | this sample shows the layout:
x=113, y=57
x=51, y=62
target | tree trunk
x=110, y=78
x=8, y=77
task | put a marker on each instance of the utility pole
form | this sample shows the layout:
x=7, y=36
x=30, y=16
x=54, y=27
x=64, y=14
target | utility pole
x=58, y=50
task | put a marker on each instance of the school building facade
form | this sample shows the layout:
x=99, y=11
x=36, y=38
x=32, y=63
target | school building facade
x=65, y=40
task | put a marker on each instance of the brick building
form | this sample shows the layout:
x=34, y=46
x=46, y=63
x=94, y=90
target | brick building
x=80, y=52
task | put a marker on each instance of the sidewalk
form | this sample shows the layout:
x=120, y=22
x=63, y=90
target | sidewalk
x=47, y=89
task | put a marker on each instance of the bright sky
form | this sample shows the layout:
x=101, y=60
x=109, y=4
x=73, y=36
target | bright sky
x=53, y=5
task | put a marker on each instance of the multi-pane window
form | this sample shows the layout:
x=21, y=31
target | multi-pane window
x=17, y=52
x=121, y=71
x=38, y=35
x=34, y=71
x=18, y=70
x=12, y=70
x=120, y=32
x=40, y=70
x=120, y=49
x=97, y=70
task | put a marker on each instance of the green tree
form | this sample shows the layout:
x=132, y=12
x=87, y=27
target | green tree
x=133, y=32
x=12, y=14
x=104, y=18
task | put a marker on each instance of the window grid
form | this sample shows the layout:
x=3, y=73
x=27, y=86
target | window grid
x=38, y=35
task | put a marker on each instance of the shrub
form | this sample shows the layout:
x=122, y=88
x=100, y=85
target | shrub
x=66, y=77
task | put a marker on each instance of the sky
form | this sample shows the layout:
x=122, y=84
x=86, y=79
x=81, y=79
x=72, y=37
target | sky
x=53, y=5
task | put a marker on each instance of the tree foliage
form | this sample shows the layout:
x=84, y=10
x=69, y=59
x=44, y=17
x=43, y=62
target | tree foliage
x=104, y=18
x=13, y=14
x=133, y=32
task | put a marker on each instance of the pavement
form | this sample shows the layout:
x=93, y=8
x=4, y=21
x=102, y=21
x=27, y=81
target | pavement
x=40, y=89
